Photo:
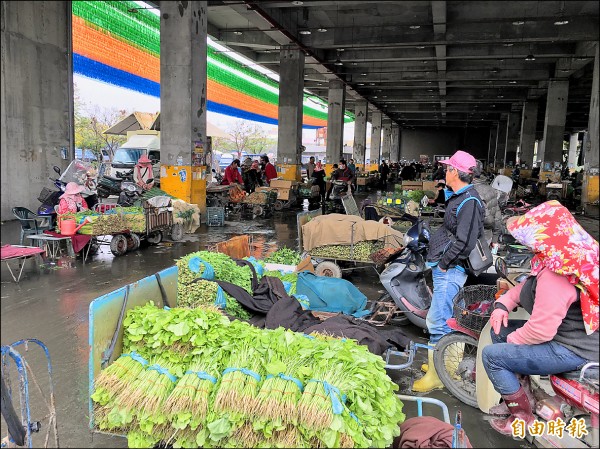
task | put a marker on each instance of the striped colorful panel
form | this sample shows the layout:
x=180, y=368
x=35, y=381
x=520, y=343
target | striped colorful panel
x=122, y=48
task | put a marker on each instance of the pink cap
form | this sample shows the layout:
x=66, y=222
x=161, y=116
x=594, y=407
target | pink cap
x=461, y=160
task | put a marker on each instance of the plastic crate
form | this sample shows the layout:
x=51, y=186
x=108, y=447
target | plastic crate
x=215, y=216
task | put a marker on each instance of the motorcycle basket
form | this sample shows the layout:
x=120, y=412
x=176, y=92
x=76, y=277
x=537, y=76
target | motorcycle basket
x=47, y=195
x=470, y=309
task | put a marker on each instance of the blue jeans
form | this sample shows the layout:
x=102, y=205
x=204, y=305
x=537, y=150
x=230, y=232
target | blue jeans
x=445, y=287
x=502, y=360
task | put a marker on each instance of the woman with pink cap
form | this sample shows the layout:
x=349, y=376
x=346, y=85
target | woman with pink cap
x=142, y=173
x=71, y=200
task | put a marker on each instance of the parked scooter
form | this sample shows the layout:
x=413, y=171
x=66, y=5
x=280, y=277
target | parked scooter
x=405, y=277
x=338, y=191
x=130, y=194
x=49, y=198
x=111, y=185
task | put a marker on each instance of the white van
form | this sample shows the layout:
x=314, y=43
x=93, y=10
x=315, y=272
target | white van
x=128, y=154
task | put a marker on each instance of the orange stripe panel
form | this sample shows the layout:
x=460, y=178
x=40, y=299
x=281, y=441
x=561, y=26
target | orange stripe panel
x=104, y=48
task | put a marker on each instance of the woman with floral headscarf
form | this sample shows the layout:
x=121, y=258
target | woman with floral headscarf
x=561, y=296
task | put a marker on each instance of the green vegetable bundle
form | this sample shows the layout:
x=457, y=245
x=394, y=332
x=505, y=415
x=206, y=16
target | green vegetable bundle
x=292, y=278
x=361, y=252
x=229, y=384
x=285, y=256
x=225, y=270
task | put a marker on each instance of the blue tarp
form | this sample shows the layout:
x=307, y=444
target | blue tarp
x=327, y=294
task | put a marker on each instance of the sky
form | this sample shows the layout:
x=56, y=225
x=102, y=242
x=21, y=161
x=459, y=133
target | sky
x=94, y=93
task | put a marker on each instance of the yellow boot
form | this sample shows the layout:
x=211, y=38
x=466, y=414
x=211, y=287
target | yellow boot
x=430, y=381
x=425, y=367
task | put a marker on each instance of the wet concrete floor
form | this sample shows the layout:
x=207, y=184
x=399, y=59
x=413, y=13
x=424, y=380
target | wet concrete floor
x=51, y=304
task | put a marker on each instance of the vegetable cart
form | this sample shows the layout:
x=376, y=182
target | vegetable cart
x=128, y=229
x=260, y=202
x=334, y=260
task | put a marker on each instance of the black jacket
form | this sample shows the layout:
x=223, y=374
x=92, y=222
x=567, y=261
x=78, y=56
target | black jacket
x=451, y=244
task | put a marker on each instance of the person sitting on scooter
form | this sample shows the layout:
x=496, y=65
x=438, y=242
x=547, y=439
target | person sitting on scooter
x=71, y=200
x=142, y=173
x=343, y=173
x=561, y=296
x=449, y=247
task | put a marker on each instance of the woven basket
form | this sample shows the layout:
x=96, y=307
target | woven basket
x=472, y=319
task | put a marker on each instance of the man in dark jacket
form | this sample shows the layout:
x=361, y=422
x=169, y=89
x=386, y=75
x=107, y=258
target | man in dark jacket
x=449, y=247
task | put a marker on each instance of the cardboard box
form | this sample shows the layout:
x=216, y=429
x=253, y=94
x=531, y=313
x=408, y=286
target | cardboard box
x=283, y=194
x=412, y=185
x=361, y=181
x=429, y=185
x=281, y=183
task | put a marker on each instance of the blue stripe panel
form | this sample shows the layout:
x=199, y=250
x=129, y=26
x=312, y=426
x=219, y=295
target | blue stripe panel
x=96, y=70
x=105, y=73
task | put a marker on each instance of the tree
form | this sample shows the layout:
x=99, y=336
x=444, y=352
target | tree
x=248, y=137
x=90, y=124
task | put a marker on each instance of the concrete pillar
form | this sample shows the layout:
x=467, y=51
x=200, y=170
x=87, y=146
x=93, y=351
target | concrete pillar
x=386, y=140
x=591, y=149
x=501, y=142
x=335, y=121
x=36, y=100
x=554, y=123
x=289, y=132
x=360, y=133
x=395, y=152
x=573, y=144
x=375, y=137
x=528, y=127
x=183, y=99
x=492, y=145
x=513, y=128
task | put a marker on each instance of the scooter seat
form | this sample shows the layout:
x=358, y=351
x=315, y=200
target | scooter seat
x=113, y=178
x=590, y=374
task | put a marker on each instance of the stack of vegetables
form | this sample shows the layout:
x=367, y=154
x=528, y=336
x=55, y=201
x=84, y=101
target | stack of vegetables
x=193, y=291
x=360, y=252
x=112, y=221
x=285, y=256
x=192, y=378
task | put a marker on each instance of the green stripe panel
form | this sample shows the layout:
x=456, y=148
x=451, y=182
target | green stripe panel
x=141, y=29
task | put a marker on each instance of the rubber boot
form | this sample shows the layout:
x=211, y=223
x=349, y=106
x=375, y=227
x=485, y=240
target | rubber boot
x=519, y=407
x=430, y=381
x=451, y=365
x=502, y=409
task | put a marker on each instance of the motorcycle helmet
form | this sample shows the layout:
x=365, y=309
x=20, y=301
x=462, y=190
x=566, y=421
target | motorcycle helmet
x=417, y=237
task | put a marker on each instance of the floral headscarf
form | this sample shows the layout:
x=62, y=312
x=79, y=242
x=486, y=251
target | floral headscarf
x=564, y=247
x=318, y=166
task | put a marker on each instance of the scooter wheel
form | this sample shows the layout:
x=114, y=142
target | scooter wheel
x=258, y=210
x=455, y=359
x=329, y=269
x=118, y=245
x=278, y=205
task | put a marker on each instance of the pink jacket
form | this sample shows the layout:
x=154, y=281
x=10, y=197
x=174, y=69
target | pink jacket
x=553, y=297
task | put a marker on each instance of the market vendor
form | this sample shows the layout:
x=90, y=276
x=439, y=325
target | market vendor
x=268, y=169
x=142, y=173
x=232, y=174
x=343, y=173
x=71, y=201
x=440, y=199
x=318, y=176
x=561, y=296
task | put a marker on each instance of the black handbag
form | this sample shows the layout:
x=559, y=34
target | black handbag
x=480, y=258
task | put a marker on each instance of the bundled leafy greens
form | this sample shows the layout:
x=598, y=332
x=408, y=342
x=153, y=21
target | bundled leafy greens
x=211, y=382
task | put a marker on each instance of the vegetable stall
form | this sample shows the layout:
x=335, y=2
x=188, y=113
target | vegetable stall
x=170, y=365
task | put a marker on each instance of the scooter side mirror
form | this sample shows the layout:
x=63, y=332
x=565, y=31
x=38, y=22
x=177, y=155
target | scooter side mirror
x=57, y=170
x=502, y=269
x=214, y=171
